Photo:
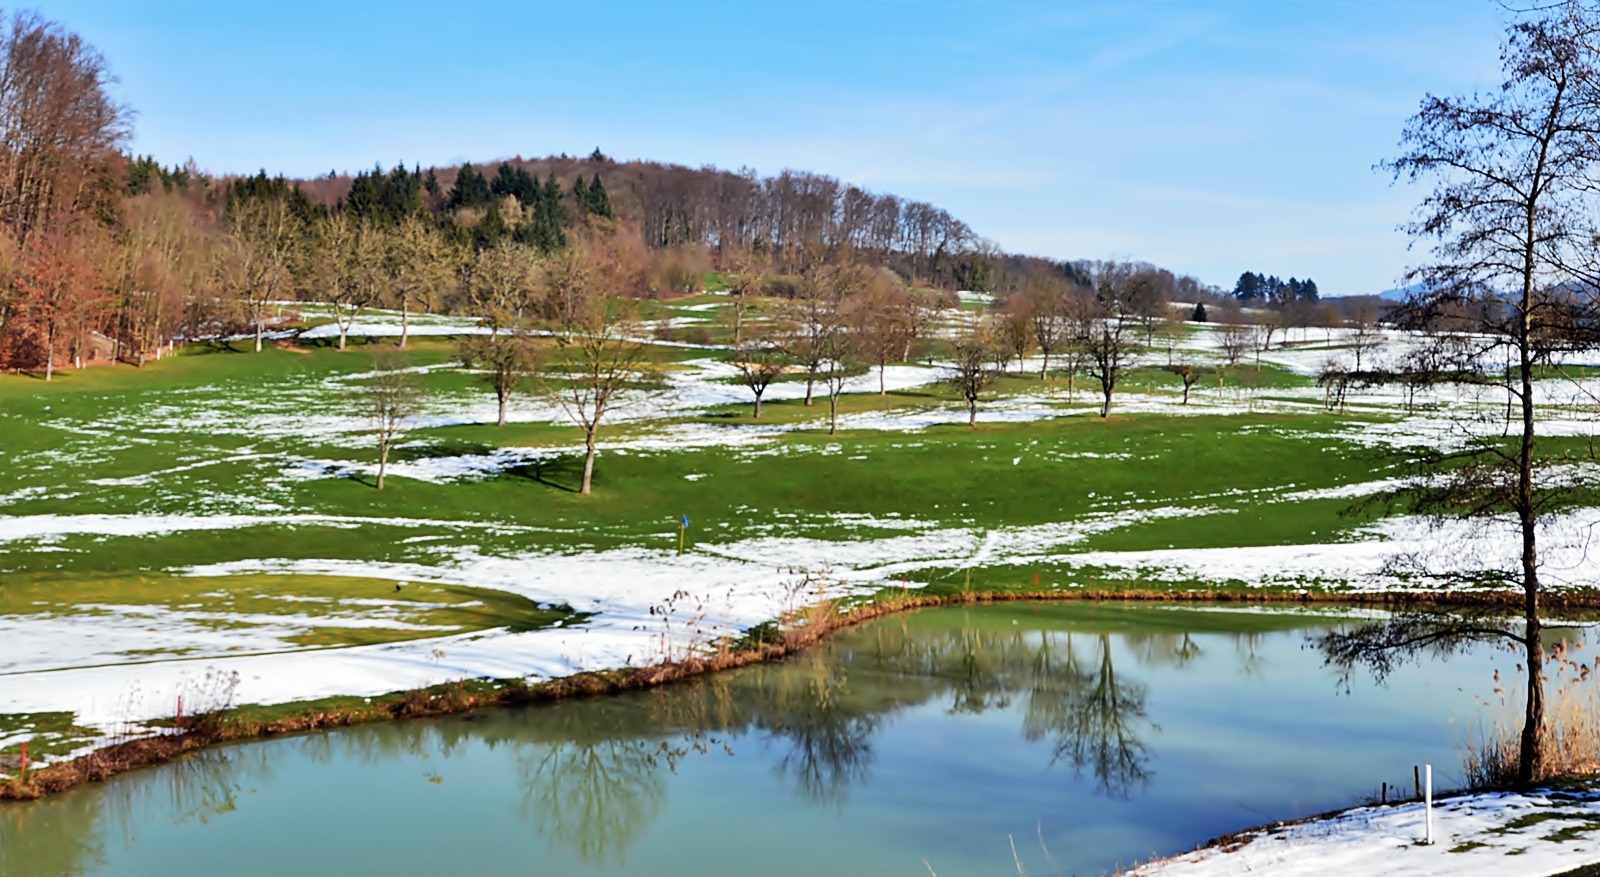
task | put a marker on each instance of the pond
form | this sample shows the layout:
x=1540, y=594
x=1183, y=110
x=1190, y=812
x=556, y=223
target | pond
x=1075, y=737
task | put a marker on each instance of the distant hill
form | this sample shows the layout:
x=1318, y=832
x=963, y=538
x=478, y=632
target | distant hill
x=1399, y=294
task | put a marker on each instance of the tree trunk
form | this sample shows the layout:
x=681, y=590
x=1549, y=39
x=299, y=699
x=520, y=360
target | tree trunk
x=258, y=333
x=882, y=366
x=1530, y=766
x=758, y=407
x=588, y=461
x=972, y=413
x=383, y=460
x=405, y=335
x=833, y=412
x=1106, y=411
x=502, y=421
x=811, y=380
x=1045, y=368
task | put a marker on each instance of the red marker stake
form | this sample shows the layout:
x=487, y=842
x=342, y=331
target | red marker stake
x=24, y=760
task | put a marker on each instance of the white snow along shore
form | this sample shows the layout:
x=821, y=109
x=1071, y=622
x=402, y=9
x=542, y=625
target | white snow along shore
x=1490, y=834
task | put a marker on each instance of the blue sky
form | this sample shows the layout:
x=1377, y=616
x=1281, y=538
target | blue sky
x=1208, y=137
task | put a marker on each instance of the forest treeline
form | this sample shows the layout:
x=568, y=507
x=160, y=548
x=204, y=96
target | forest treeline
x=104, y=255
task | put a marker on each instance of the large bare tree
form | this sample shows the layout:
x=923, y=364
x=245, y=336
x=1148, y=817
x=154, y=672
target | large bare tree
x=258, y=253
x=507, y=358
x=351, y=268
x=1511, y=220
x=602, y=355
x=420, y=262
x=502, y=282
x=59, y=129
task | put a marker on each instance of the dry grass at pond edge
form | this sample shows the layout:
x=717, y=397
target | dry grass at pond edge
x=813, y=625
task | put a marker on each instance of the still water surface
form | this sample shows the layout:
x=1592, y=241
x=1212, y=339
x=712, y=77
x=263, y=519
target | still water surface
x=1087, y=735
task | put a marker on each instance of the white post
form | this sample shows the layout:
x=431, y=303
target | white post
x=1427, y=799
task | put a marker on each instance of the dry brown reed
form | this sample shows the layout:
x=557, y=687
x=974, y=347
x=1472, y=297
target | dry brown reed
x=1571, y=729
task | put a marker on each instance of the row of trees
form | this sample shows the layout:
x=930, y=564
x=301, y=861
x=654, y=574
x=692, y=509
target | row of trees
x=1252, y=287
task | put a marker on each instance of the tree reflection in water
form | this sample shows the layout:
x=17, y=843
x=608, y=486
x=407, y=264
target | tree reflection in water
x=593, y=773
x=70, y=833
x=594, y=797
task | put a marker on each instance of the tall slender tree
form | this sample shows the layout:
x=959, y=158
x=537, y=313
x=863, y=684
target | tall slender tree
x=1512, y=223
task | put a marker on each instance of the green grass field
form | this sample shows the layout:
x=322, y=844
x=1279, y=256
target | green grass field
x=221, y=503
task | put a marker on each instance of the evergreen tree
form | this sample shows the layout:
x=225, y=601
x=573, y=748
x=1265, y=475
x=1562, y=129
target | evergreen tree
x=580, y=195
x=599, y=201
x=1248, y=287
x=470, y=189
x=431, y=183
x=1199, y=315
x=263, y=188
x=1273, y=290
x=518, y=183
x=384, y=198
x=144, y=172
x=1308, y=290
x=551, y=234
x=490, y=229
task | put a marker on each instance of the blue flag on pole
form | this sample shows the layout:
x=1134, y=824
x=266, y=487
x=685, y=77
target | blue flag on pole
x=685, y=522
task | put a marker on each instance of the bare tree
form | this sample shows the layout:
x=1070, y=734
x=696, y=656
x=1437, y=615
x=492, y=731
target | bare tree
x=603, y=355
x=1512, y=221
x=564, y=286
x=839, y=361
x=1016, y=330
x=1234, y=340
x=1187, y=373
x=59, y=129
x=59, y=294
x=761, y=359
x=507, y=359
x=392, y=397
x=1112, y=344
x=1111, y=347
x=1270, y=324
x=817, y=317
x=258, y=253
x=351, y=268
x=501, y=281
x=1080, y=317
x=1367, y=335
x=1044, y=295
x=162, y=255
x=1171, y=332
x=878, y=320
x=419, y=263
x=748, y=274
x=972, y=367
x=1144, y=298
